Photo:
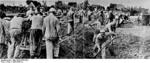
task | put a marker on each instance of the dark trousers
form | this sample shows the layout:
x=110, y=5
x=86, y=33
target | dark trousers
x=35, y=42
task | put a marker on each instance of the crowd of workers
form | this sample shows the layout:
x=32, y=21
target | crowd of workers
x=45, y=26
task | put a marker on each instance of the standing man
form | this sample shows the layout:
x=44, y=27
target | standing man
x=70, y=20
x=111, y=16
x=50, y=31
x=36, y=34
x=2, y=28
x=111, y=27
x=102, y=18
x=3, y=32
x=15, y=33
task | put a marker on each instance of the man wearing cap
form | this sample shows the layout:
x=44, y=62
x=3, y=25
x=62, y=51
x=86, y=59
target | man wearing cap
x=15, y=33
x=36, y=34
x=50, y=31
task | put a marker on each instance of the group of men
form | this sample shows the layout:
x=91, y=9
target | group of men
x=41, y=28
x=46, y=26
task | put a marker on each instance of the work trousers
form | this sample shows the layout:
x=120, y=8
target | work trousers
x=13, y=47
x=52, y=48
x=35, y=42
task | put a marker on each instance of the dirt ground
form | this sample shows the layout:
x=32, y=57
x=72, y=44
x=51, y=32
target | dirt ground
x=144, y=33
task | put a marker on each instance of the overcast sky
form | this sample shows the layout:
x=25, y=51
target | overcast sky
x=141, y=3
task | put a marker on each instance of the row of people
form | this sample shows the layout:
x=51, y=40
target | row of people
x=46, y=25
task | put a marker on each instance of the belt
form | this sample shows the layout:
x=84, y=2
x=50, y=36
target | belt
x=15, y=28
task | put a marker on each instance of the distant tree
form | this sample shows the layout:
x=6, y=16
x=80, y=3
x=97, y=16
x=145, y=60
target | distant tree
x=2, y=7
x=36, y=3
x=44, y=3
x=86, y=4
x=28, y=2
x=59, y=4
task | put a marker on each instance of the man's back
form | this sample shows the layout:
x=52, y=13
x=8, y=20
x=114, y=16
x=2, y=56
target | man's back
x=37, y=22
x=16, y=22
x=50, y=25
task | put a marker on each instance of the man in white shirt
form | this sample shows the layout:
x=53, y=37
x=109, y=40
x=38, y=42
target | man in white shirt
x=50, y=31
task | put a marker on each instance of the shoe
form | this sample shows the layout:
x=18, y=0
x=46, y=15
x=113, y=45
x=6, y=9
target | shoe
x=56, y=57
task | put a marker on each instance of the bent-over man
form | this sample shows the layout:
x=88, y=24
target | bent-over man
x=15, y=33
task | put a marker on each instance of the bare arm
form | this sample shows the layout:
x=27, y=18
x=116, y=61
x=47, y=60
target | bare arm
x=57, y=25
x=44, y=27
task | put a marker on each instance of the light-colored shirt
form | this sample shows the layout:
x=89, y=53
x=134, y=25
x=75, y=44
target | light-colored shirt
x=16, y=23
x=50, y=26
x=37, y=22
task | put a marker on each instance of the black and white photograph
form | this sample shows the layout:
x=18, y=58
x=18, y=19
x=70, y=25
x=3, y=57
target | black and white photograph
x=74, y=29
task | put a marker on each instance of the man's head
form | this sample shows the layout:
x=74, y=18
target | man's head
x=72, y=9
x=37, y=12
x=52, y=10
x=41, y=9
x=103, y=32
x=101, y=35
